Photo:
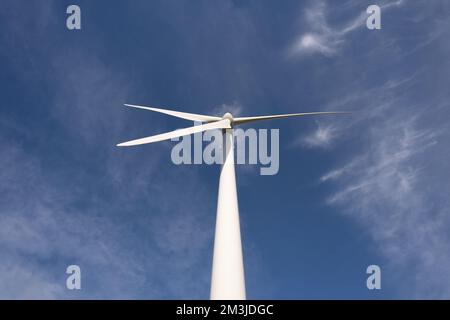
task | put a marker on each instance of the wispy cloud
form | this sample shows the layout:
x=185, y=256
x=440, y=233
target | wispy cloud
x=53, y=217
x=46, y=221
x=321, y=38
x=39, y=222
x=234, y=108
x=386, y=187
x=321, y=137
x=324, y=38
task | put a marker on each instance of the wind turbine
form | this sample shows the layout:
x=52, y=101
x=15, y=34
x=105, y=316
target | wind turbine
x=227, y=281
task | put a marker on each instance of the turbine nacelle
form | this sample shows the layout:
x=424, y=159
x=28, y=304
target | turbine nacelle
x=228, y=116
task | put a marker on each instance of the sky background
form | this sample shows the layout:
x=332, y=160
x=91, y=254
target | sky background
x=370, y=188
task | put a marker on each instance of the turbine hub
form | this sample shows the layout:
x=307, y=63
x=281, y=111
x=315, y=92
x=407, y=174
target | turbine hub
x=228, y=116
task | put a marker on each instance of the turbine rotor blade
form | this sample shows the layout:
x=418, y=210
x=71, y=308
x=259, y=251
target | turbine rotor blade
x=178, y=114
x=241, y=120
x=222, y=124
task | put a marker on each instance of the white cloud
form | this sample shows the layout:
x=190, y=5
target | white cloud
x=320, y=38
x=321, y=137
x=234, y=108
x=323, y=38
x=49, y=219
x=43, y=229
x=39, y=222
x=311, y=43
x=25, y=282
x=387, y=187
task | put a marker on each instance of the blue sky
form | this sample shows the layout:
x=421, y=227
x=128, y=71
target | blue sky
x=371, y=188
